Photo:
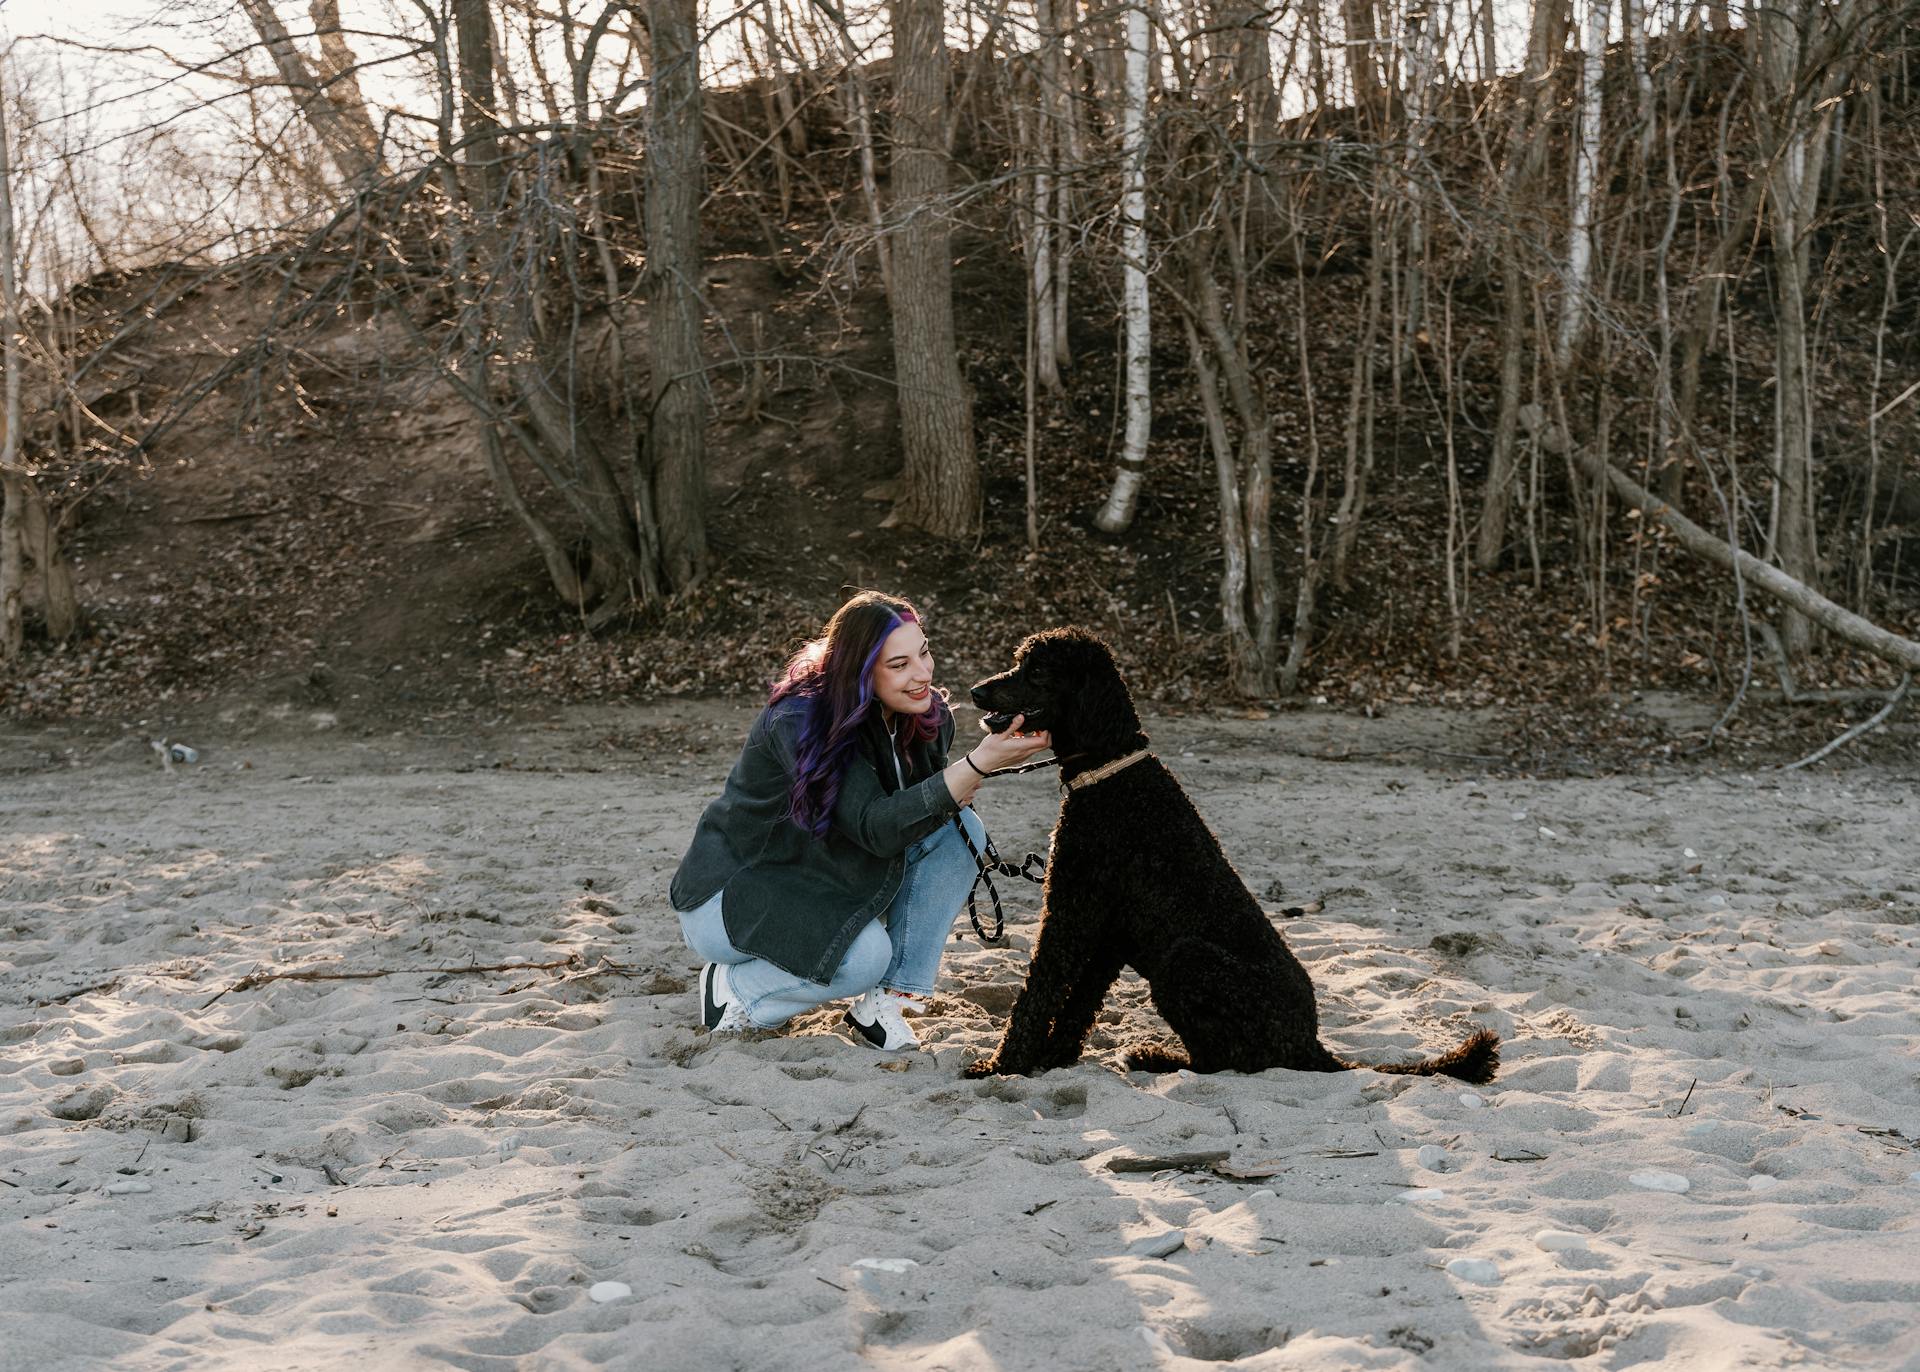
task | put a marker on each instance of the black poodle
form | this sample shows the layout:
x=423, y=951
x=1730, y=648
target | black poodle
x=1137, y=879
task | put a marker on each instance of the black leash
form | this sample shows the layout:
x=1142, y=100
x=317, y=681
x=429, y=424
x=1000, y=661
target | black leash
x=1034, y=868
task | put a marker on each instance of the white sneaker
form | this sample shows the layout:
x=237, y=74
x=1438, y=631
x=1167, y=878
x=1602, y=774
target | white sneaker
x=877, y=1022
x=720, y=1010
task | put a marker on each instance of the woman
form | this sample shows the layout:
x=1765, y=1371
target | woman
x=831, y=866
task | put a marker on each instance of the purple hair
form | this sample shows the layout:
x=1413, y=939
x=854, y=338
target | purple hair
x=834, y=674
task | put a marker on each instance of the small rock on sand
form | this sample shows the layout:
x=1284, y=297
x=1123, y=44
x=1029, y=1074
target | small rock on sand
x=1660, y=1181
x=1560, y=1241
x=604, y=1291
x=127, y=1186
x=1477, y=1270
x=1160, y=1245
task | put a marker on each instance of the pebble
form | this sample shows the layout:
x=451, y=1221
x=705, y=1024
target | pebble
x=894, y=1265
x=1762, y=1181
x=1704, y=1127
x=1158, y=1245
x=1473, y=1100
x=1560, y=1241
x=69, y=1067
x=1432, y=1157
x=1477, y=1270
x=127, y=1187
x=1418, y=1193
x=1156, y=1342
x=509, y=1145
x=1545, y=832
x=1688, y=852
x=604, y=1291
x=1661, y=1181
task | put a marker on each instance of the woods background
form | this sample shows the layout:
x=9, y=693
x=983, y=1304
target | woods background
x=429, y=355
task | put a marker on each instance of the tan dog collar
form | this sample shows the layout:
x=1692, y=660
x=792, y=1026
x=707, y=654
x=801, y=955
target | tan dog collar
x=1103, y=772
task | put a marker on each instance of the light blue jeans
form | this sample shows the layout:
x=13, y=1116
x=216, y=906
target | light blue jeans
x=901, y=950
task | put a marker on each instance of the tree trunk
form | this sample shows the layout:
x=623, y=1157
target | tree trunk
x=1369, y=91
x=1117, y=514
x=1526, y=146
x=479, y=121
x=13, y=480
x=942, y=475
x=676, y=437
x=340, y=81
x=346, y=145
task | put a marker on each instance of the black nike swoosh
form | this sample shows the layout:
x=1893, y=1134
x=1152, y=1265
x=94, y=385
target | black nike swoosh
x=710, y=1009
x=873, y=1033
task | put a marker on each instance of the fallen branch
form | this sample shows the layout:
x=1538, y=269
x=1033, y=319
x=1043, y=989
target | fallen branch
x=1865, y=726
x=253, y=979
x=1796, y=595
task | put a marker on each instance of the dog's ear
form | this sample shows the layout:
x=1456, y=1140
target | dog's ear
x=1096, y=713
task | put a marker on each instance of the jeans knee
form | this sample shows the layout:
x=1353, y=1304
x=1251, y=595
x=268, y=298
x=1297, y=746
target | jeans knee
x=866, y=960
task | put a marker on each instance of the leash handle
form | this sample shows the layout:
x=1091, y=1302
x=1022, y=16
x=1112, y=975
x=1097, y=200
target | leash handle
x=985, y=865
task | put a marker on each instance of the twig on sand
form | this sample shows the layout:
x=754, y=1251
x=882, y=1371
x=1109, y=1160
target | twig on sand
x=834, y=1284
x=1172, y=1162
x=253, y=979
x=1683, y=1103
x=1518, y=1157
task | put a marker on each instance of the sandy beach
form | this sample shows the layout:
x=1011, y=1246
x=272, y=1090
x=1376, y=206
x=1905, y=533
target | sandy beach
x=1700, y=1153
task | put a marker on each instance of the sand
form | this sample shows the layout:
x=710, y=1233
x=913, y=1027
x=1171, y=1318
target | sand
x=1709, y=978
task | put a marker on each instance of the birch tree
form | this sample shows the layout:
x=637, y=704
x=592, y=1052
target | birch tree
x=1117, y=514
x=1578, y=282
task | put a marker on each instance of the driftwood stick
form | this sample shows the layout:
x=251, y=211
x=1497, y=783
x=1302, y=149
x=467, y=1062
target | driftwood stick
x=1182, y=1162
x=253, y=979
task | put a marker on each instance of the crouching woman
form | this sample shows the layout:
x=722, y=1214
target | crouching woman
x=830, y=867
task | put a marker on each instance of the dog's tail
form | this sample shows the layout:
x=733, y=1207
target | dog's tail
x=1475, y=1060
x=1157, y=1057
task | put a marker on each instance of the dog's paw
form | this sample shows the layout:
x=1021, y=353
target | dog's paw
x=981, y=1067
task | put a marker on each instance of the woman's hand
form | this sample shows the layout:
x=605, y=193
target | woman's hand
x=1011, y=748
x=966, y=772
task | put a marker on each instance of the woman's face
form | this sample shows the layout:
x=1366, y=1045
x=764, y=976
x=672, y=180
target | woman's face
x=903, y=673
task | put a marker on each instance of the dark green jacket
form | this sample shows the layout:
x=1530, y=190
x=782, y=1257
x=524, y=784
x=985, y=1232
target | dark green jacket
x=793, y=899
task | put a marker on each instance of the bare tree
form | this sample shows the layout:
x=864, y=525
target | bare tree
x=942, y=476
x=676, y=437
x=340, y=122
x=13, y=478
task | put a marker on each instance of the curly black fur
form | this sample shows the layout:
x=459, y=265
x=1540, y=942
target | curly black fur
x=1137, y=879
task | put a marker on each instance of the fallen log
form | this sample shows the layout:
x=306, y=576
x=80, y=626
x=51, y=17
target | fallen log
x=1789, y=591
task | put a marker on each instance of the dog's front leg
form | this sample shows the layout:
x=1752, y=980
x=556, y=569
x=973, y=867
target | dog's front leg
x=1068, y=1034
x=1059, y=967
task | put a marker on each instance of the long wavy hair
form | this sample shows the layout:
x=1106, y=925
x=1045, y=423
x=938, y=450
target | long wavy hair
x=834, y=674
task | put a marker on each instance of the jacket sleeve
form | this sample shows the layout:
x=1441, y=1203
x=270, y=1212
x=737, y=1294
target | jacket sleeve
x=886, y=825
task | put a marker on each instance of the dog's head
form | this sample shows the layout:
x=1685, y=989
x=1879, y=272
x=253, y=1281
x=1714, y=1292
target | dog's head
x=1065, y=681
